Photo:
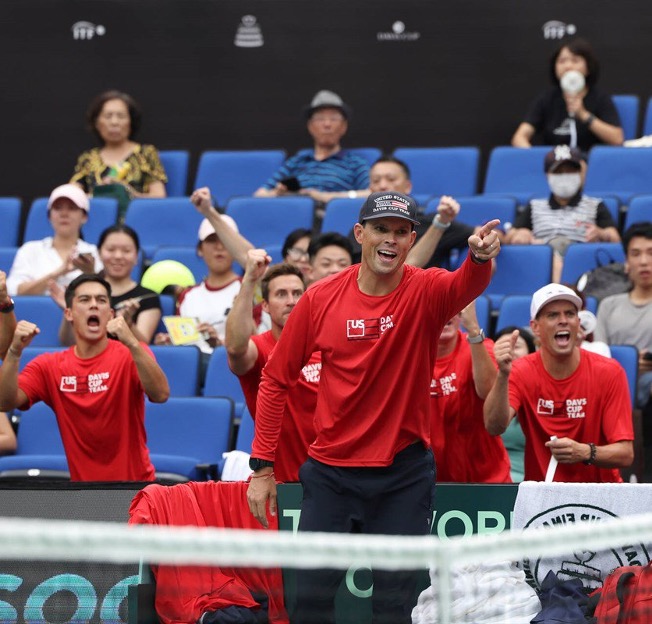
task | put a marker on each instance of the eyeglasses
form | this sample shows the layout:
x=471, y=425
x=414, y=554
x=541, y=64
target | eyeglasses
x=296, y=254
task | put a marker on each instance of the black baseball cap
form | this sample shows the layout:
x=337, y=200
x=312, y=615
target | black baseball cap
x=386, y=204
x=562, y=154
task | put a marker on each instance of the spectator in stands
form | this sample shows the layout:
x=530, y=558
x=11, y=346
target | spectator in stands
x=295, y=249
x=329, y=253
x=282, y=285
x=437, y=233
x=627, y=318
x=61, y=257
x=568, y=215
x=571, y=403
x=513, y=438
x=139, y=306
x=579, y=117
x=7, y=327
x=219, y=245
x=96, y=388
x=120, y=167
x=370, y=467
x=464, y=373
x=326, y=171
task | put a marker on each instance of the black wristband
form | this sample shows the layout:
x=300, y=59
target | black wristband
x=589, y=120
x=7, y=307
x=591, y=460
x=257, y=464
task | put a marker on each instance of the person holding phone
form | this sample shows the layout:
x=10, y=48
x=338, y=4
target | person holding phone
x=326, y=171
x=61, y=257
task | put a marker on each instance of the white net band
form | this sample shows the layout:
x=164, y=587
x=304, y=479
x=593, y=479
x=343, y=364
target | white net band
x=117, y=543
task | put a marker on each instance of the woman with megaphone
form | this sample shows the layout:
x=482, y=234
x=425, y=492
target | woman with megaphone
x=574, y=111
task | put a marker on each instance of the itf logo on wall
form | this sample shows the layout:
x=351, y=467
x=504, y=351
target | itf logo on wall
x=398, y=33
x=87, y=30
x=555, y=29
x=249, y=34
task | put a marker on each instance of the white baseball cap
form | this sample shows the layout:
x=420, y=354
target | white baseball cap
x=71, y=192
x=206, y=228
x=553, y=292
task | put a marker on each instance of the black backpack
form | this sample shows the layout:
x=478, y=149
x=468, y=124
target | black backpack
x=608, y=278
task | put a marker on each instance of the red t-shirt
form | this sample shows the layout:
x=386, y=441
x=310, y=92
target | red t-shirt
x=378, y=354
x=591, y=405
x=298, y=429
x=464, y=450
x=100, y=408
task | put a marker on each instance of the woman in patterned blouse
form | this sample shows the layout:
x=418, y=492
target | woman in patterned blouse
x=114, y=118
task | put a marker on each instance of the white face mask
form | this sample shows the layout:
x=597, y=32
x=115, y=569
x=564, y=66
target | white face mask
x=564, y=185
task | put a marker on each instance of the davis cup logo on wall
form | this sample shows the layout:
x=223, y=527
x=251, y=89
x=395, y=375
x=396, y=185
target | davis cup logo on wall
x=249, y=34
x=87, y=30
x=398, y=33
x=589, y=567
x=554, y=29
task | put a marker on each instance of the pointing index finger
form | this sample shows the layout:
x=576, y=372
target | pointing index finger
x=488, y=227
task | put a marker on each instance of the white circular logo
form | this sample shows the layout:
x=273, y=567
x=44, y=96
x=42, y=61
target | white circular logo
x=398, y=27
x=570, y=29
x=100, y=30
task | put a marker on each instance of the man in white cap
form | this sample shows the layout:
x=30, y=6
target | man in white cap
x=572, y=404
x=210, y=300
x=61, y=257
x=326, y=171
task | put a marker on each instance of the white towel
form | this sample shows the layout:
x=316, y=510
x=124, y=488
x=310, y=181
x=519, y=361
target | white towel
x=481, y=594
x=236, y=466
x=545, y=504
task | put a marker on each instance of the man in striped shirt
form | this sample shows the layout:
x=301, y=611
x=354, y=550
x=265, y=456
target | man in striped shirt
x=326, y=171
x=567, y=215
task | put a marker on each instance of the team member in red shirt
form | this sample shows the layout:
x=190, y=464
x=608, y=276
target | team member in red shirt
x=96, y=388
x=281, y=287
x=370, y=468
x=464, y=373
x=580, y=398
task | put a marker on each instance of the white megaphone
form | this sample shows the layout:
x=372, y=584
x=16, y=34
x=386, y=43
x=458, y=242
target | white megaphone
x=572, y=82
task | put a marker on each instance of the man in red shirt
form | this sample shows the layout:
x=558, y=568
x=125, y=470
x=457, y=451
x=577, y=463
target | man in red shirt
x=572, y=404
x=464, y=373
x=370, y=468
x=281, y=287
x=95, y=388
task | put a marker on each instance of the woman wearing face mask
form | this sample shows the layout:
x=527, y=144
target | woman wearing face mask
x=567, y=215
x=573, y=111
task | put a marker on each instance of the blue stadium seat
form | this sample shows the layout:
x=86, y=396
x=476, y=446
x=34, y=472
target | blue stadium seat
x=47, y=315
x=163, y=221
x=514, y=310
x=10, y=208
x=245, y=435
x=627, y=357
x=442, y=170
x=186, y=255
x=181, y=366
x=186, y=436
x=231, y=173
x=639, y=209
x=39, y=447
x=268, y=220
x=483, y=311
x=583, y=257
x=103, y=213
x=7, y=255
x=520, y=270
x=628, y=107
x=168, y=308
x=341, y=214
x=220, y=381
x=517, y=172
x=480, y=209
x=620, y=171
x=370, y=154
x=176, y=164
x=613, y=205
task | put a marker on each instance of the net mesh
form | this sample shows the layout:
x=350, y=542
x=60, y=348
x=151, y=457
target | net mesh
x=479, y=578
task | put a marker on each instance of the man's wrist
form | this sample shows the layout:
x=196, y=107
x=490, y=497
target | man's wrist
x=439, y=224
x=593, y=451
x=257, y=464
x=14, y=352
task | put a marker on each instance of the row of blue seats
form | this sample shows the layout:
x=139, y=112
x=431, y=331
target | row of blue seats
x=186, y=436
x=173, y=222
